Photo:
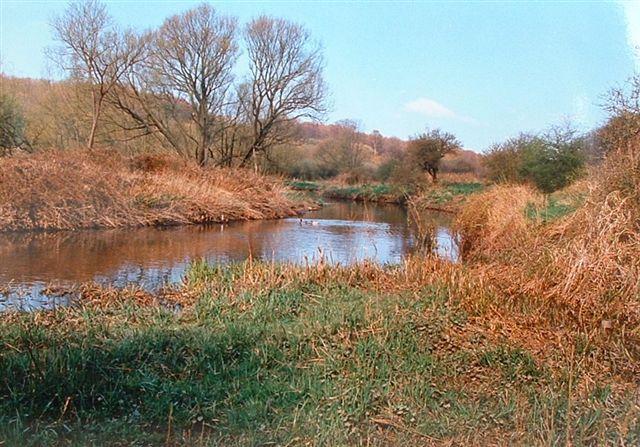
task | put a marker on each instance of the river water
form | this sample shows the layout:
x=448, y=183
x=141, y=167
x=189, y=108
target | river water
x=30, y=263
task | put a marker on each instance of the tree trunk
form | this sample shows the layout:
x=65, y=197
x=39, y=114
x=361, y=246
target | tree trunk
x=250, y=153
x=201, y=155
x=433, y=172
x=97, y=108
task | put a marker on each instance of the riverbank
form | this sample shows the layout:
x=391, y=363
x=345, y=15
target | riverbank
x=533, y=340
x=448, y=195
x=424, y=353
x=67, y=190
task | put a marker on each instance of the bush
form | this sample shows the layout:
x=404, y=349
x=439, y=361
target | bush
x=503, y=160
x=11, y=124
x=385, y=170
x=550, y=162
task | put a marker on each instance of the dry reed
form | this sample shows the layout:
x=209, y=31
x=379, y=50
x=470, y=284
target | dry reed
x=65, y=190
x=583, y=268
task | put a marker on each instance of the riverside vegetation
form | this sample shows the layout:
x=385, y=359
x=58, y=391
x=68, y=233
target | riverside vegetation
x=66, y=190
x=532, y=339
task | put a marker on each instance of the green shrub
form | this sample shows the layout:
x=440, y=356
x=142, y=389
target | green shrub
x=11, y=123
x=550, y=162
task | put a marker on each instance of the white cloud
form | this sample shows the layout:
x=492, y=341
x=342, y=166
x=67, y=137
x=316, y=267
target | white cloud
x=631, y=9
x=433, y=109
x=430, y=108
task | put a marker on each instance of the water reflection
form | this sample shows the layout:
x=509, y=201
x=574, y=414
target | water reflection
x=341, y=232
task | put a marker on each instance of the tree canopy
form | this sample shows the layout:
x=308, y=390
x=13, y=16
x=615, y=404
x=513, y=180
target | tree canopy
x=429, y=148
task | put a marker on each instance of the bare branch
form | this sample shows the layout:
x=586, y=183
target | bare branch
x=286, y=81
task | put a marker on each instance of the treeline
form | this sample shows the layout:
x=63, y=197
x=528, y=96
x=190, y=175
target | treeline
x=549, y=160
x=180, y=88
x=57, y=114
x=343, y=151
x=175, y=87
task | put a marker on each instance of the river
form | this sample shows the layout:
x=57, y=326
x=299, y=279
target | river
x=31, y=263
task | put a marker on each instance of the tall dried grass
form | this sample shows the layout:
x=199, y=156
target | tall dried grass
x=64, y=190
x=587, y=263
x=595, y=253
x=495, y=220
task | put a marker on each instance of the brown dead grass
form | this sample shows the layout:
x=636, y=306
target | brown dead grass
x=583, y=269
x=495, y=220
x=65, y=190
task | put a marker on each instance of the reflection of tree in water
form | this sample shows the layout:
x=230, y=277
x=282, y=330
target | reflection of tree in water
x=84, y=255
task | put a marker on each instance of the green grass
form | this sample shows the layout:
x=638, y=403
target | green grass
x=320, y=363
x=555, y=207
x=447, y=192
x=302, y=185
x=368, y=192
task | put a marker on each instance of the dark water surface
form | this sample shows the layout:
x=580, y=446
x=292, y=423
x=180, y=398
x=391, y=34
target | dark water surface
x=151, y=257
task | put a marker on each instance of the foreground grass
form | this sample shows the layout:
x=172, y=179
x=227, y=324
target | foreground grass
x=260, y=354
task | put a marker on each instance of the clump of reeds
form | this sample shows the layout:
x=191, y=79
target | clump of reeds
x=494, y=220
x=585, y=265
x=63, y=190
x=595, y=253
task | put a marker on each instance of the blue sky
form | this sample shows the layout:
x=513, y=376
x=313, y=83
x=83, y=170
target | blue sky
x=484, y=70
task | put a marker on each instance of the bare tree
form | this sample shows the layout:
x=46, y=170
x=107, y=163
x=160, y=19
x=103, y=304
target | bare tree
x=93, y=51
x=193, y=58
x=181, y=90
x=345, y=151
x=286, y=82
x=377, y=141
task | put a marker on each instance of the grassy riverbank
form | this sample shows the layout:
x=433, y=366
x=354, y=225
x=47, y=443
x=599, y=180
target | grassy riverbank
x=533, y=340
x=65, y=190
x=366, y=192
x=417, y=354
x=447, y=195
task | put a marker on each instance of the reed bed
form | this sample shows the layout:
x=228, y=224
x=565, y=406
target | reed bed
x=583, y=267
x=66, y=190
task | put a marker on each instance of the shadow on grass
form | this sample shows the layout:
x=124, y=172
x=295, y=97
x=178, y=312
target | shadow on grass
x=155, y=377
